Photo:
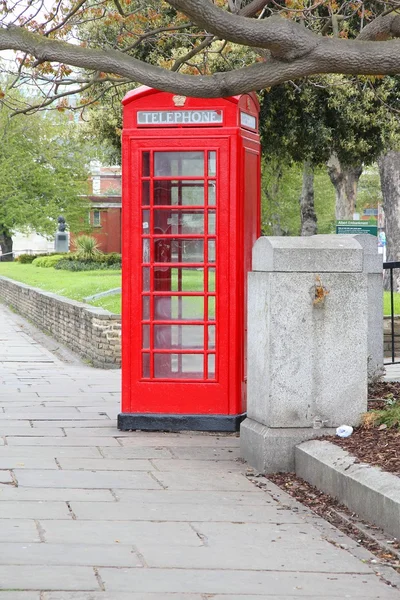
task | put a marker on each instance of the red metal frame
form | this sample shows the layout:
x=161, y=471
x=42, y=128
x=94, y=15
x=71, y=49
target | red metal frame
x=156, y=262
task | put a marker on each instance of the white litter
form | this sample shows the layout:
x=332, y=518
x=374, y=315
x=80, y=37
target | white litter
x=344, y=431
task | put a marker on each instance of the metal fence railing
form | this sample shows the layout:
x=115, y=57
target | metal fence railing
x=392, y=336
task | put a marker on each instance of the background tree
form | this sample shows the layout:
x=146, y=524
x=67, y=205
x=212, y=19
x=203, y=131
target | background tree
x=42, y=174
x=340, y=121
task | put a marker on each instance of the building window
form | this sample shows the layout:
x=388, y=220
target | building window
x=96, y=218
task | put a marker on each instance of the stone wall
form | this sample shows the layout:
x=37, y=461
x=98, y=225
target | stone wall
x=387, y=336
x=91, y=332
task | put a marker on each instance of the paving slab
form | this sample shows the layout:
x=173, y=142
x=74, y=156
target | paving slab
x=151, y=511
x=118, y=596
x=19, y=595
x=6, y=477
x=31, y=578
x=204, y=453
x=195, y=465
x=264, y=583
x=111, y=430
x=89, y=480
x=199, y=497
x=166, y=441
x=54, y=494
x=207, y=481
x=104, y=464
x=18, y=530
x=48, y=452
x=44, y=413
x=62, y=441
x=120, y=532
x=50, y=555
x=139, y=452
x=26, y=462
x=34, y=509
x=7, y=432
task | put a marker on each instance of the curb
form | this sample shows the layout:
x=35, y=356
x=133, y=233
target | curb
x=371, y=493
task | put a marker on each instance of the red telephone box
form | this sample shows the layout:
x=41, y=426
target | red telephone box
x=191, y=214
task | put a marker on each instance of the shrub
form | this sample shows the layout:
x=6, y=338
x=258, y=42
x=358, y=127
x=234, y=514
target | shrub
x=85, y=265
x=109, y=259
x=47, y=261
x=389, y=416
x=86, y=247
x=26, y=259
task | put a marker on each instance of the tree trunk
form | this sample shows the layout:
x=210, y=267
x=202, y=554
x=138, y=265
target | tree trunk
x=307, y=210
x=389, y=170
x=6, y=245
x=271, y=188
x=345, y=181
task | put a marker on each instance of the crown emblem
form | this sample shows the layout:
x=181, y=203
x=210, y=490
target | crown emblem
x=179, y=100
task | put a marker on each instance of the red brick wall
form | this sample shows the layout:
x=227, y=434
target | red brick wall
x=109, y=234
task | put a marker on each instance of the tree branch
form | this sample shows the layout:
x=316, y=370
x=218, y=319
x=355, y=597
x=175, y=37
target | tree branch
x=328, y=56
x=382, y=28
x=284, y=38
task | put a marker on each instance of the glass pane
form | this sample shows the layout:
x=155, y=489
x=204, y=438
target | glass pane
x=178, y=221
x=145, y=193
x=146, y=365
x=162, y=250
x=179, y=366
x=211, y=279
x=146, y=250
x=162, y=308
x=146, y=164
x=146, y=308
x=193, y=365
x=211, y=251
x=145, y=336
x=211, y=222
x=212, y=164
x=211, y=308
x=146, y=279
x=146, y=222
x=187, y=280
x=179, y=336
x=165, y=366
x=211, y=336
x=211, y=366
x=178, y=193
x=178, y=250
x=167, y=164
x=211, y=193
x=168, y=308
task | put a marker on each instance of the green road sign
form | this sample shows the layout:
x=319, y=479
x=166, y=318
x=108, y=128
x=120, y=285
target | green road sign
x=353, y=227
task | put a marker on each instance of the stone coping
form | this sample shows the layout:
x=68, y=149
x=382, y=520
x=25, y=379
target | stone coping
x=368, y=491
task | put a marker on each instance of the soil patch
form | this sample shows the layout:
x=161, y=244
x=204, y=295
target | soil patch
x=376, y=447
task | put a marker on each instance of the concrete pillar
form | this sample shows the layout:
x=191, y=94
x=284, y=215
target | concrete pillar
x=307, y=344
x=373, y=267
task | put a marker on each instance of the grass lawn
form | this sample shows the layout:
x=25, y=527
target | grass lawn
x=386, y=303
x=78, y=285
x=74, y=285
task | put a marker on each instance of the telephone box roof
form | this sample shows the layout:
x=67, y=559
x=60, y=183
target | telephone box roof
x=144, y=90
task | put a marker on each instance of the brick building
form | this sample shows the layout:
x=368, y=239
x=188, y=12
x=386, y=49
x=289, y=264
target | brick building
x=105, y=215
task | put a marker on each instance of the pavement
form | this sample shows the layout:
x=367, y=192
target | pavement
x=91, y=513
x=392, y=371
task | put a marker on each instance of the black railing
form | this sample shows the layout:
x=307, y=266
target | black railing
x=390, y=266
